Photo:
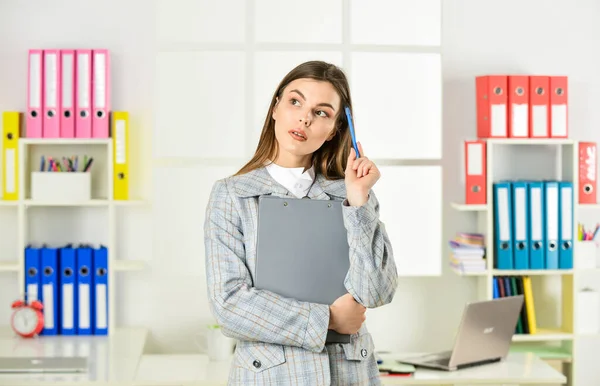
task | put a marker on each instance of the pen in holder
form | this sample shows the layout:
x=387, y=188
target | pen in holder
x=61, y=187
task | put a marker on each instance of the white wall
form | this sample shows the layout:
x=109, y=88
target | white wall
x=199, y=71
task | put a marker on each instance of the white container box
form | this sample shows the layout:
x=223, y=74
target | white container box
x=587, y=312
x=61, y=187
x=586, y=253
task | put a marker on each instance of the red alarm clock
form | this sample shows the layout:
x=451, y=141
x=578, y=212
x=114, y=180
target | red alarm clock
x=27, y=319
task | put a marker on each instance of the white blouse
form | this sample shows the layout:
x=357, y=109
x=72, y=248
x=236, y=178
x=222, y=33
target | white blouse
x=293, y=179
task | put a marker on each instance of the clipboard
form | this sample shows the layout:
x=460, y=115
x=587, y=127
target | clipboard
x=302, y=251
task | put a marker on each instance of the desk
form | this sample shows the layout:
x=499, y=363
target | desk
x=197, y=370
x=112, y=360
x=119, y=360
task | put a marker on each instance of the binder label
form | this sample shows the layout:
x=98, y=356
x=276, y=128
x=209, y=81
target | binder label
x=84, y=306
x=52, y=81
x=101, y=302
x=520, y=228
x=559, y=120
x=503, y=214
x=48, y=306
x=475, y=157
x=498, y=120
x=83, y=80
x=35, y=95
x=536, y=214
x=67, y=306
x=540, y=120
x=32, y=293
x=520, y=120
x=120, y=153
x=552, y=213
x=567, y=214
x=11, y=176
x=100, y=80
x=67, y=81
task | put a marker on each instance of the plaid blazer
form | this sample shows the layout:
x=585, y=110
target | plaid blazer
x=281, y=341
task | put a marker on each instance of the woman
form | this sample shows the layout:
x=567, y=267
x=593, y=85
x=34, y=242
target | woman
x=304, y=150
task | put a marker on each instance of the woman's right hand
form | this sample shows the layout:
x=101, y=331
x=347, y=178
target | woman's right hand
x=346, y=315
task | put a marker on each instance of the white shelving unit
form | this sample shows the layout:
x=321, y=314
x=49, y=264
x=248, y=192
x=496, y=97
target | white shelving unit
x=102, y=197
x=565, y=167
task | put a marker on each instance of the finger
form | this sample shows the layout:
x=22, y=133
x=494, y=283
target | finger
x=360, y=150
x=351, y=159
x=364, y=169
x=358, y=162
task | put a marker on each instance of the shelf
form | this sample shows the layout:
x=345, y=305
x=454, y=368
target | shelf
x=469, y=207
x=8, y=266
x=14, y=203
x=543, y=335
x=65, y=141
x=129, y=265
x=461, y=273
x=98, y=202
x=531, y=141
x=531, y=272
x=588, y=206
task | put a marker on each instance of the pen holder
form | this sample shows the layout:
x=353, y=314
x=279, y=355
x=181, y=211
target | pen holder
x=61, y=186
x=586, y=254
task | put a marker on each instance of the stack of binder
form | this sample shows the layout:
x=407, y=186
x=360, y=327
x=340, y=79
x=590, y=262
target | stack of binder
x=518, y=285
x=522, y=106
x=468, y=252
x=533, y=225
x=72, y=284
x=68, y=93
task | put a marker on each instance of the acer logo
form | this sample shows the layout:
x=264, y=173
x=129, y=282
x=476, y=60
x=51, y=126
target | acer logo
x=488, y=330
x=589, y=162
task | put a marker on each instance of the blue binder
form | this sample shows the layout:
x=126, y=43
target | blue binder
x=496, y=291
x=520, y=224
x=68, y=290
x=33, y=277
x=100, y=324
x=567, y=229
x=551, y=194
x=537, y=224
x=503, y=225
x=85, y=290
x=49, y=295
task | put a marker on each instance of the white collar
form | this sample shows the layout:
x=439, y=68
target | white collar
x=296, y=180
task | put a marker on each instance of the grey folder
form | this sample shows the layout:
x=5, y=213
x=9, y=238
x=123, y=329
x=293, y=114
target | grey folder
x=302, y=251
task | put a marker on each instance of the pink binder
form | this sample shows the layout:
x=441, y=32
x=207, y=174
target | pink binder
x=101, y=93
x=51, y=100
x=67, y=90
x=35, y=92
x=83, y=93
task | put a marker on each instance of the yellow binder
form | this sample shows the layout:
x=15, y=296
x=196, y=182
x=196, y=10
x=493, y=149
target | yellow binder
x=120, y=135
x=10, y=154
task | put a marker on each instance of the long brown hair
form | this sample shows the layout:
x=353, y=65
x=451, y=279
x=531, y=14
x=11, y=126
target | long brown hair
x=330, y=159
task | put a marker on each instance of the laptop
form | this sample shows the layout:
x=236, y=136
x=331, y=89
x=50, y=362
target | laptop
x=302, y=251
x=484, y=336
x=43, y=364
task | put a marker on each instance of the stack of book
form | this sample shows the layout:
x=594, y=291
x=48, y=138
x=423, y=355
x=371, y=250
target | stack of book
x=468, y=252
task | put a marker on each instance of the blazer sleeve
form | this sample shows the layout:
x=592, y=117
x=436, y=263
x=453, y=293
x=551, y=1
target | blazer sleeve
x=373, y=276
x=244, y=312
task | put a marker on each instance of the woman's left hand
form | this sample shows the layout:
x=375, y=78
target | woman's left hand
x=361, y=175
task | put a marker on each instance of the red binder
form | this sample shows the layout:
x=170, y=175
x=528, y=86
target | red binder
x=539, y=106
x=588, y=173
x=491, y=106
x=475, y=172
x=559, y=114
x=518, y=106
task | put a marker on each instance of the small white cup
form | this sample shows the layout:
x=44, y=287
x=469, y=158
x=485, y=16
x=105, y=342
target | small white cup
x=217, y=346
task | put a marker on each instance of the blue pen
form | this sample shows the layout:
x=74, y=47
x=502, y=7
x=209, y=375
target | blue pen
x=42, y=163
x=351, y=126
